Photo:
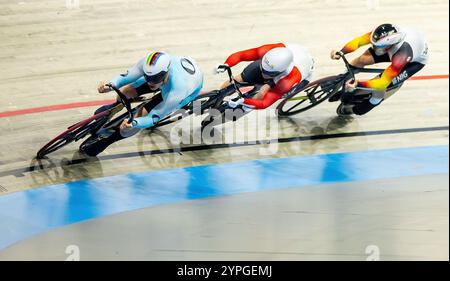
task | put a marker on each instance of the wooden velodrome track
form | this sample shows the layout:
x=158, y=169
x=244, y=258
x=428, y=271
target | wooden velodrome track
x=52, y=55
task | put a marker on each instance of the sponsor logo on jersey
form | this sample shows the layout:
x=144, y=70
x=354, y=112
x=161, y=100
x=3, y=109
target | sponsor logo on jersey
x=401, y=77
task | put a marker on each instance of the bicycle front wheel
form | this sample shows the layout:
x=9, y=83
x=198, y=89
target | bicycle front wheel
x=315, y=93
x=74, y=133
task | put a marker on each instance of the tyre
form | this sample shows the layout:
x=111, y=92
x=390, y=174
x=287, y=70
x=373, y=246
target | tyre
x=313, y=94
x=74, y=133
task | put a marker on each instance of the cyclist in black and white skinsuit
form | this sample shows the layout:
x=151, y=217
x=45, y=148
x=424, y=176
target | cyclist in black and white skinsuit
x=405, y=48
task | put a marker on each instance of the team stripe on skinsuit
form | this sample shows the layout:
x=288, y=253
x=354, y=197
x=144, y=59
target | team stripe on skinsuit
x=356, y=43
x=399, y=61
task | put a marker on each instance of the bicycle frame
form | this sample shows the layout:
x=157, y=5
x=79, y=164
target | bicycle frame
x=352, y=70
x=296, y=100
x=341, y=79
x=235, y=86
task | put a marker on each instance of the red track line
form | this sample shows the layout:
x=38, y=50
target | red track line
x=53, y=108
x=429, y=77
x=101, y=102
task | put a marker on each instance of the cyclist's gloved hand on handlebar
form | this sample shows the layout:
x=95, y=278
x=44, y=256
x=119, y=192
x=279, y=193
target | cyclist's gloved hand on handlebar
x=351, y=85
x=234, y=104
x=220, y=68
x=125, y=125
x=240, y=102
x=335, y=55
x=103, y=87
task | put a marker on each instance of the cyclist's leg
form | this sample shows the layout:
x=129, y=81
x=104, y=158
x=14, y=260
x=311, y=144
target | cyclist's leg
x=366, y=106
x=248, y=75
x=357, y=101
x=355, y=96
x=251, y=74
x=376, y=98
x=99, y=145
x=360, y=102
x=369, y=57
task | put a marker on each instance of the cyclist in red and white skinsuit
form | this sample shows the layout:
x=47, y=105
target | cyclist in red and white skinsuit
x=277, y=67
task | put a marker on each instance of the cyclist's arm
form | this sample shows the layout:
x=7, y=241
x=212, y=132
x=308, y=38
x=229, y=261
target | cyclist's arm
x=356, y=43
x=168, y=105
x=251, y=54
x=130, y=76
x=282, y=87
x=399, y=61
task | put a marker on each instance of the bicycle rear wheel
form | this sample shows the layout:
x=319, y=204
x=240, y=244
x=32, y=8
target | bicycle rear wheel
x=74, y=133
x=315, y=93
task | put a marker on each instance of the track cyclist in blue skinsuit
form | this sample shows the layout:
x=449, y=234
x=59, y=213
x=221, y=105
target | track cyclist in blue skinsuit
x=179, y=79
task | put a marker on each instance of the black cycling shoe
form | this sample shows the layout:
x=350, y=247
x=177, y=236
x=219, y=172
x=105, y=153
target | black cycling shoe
x=95, y=146
x=106, y=107
x=344, y=110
